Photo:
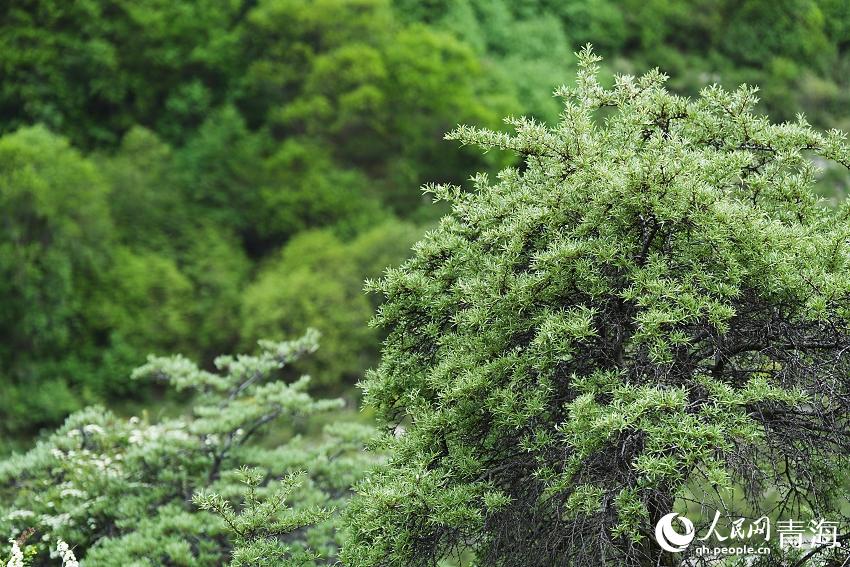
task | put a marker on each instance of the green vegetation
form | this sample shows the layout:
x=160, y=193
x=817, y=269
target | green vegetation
x=122, y=489
x=649, y=308
x=317, y=280
x=198, y=177
x=796, y=50
x=179, y=149
x=158, y=159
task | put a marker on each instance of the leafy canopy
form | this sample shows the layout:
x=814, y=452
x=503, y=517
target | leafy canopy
x=651, y=309
x=316, y=281
x=53, y=235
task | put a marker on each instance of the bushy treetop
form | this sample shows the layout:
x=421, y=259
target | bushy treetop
x=652, y=308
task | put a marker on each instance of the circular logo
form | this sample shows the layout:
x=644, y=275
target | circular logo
x=671, y=540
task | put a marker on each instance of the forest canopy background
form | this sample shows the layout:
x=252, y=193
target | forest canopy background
x=194, y=176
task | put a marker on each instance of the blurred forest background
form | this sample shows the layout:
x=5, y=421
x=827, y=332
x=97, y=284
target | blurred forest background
x=194, y=176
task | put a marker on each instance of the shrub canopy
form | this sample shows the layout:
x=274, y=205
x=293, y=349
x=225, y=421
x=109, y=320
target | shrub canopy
x=197, y=489
x=651, y=309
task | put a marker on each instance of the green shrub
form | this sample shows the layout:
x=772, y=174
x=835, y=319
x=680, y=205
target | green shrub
x=120, y=491
x=653, y=309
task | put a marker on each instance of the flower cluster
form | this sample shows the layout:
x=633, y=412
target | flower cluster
x=17, y=556
x=64, y=551
x=68, y=558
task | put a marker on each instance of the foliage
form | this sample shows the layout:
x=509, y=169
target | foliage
x=526, y=44
x=140, y=174
x=198, y=175
x=85, y=299
x=55, y=228
x=120, y=489
x=651, y=309
x=93, y=282
x=259, y=529
x=375, y=94
x=139, y=305
x=218, y=169
x=212, y=133
x=302, y=189
x=92, y=69
x=316, y=281
x=795, y=49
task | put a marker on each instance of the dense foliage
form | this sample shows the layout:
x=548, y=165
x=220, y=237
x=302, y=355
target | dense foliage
x=121, y=491
x=652, y=309
x=795, y=49
x=644, y=310
x=215, y=133
x=156, y=158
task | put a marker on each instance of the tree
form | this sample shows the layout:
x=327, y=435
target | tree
x=219, y=171
x=83, y=300
x=524, y=45
x=303, y=188
x=317, y=281
x=653, y=309
x=54, y=233
x=345, y=75
x=120, y=491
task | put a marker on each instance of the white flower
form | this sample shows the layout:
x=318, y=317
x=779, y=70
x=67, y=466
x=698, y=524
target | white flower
x=19, y=514
x=17, y=558
x=56, y=522
x=68, y=559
